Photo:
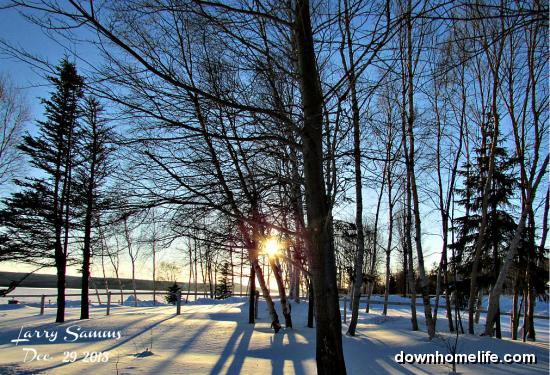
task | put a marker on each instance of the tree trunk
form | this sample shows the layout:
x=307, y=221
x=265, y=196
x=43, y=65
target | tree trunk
x=60, y=256
x=84, y=305
x=389, y=246
x=387, y=288
x=408, y=189
x=329, y=352
x=531, y=300
x=155, y=270
x=372, y=266
x=417, y=224
x=479, y=303
x=410, y=260
x=531, y=262
x=265, y=292
x=278, y=273
x=448, y=302
x=61, y=267
x=298, y=215
x=120, y=286
x=496, y=266
x=311, y=304
x=132, y=257
x=86, y=251
x=360, y=242
x=94, y=285
x=196, y=272
x=443, y=273
x=252, y=295
x=497, y=324
x=190, y=279
x=405, y=265
x=514, y=316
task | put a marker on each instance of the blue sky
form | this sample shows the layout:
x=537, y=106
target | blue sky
x=19, y=32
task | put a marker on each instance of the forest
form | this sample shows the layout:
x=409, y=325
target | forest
x=304, y=149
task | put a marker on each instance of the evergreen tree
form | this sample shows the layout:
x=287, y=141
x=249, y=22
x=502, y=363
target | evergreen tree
x=94, y=151
x=172, y=297
x=500, y=224
x=224, y=288
x=38, y=217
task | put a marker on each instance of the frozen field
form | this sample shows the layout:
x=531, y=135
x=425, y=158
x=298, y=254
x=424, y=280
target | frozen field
x=212, y=337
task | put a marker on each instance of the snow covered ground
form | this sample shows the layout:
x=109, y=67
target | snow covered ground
x=212, y=337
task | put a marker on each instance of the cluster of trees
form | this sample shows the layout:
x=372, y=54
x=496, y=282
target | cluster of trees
x=249, y=120
x=71, y=156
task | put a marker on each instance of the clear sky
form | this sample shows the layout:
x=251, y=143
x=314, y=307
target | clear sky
x=19, y=32
x=16, y=30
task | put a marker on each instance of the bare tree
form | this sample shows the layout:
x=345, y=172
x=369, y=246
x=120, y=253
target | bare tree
x=14, y=114
x=391, y=153
x=445, y=111
x=168, y=271
x=132, y=249
x=525, y=95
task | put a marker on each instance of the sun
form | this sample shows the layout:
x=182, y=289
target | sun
x=271, y=246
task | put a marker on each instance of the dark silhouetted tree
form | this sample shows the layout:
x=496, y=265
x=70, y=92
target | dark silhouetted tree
x=37, y=218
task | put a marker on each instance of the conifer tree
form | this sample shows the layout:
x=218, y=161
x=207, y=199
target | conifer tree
x=500, y=224
x=94, y=151
x=172, y=296
x=224, y=288
x=38, y=217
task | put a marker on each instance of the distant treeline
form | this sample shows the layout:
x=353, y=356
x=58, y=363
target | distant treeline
x=40, y=280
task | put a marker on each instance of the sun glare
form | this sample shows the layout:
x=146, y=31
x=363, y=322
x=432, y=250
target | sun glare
x=271, y=246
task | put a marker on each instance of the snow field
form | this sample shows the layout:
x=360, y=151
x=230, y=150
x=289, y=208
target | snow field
x=213, y=337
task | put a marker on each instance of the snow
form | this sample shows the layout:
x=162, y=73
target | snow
x=212, y=336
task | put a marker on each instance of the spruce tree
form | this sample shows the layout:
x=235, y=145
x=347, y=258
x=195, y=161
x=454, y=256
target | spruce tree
x=172, y=296
x=500, y=224
x=95, y=138
x=224, y=288
x=38, y=217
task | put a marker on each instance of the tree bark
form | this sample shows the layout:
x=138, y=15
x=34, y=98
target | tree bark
x=388, y=274
x=411, y=171
x=372, y=265
x=278, y=274
x=86, y=251
x=132, y=255
x=90, y=193
x=311, y=304
x=265, y=292
x=252, y=295
x=360, y=240
x=410, y=259
x=515, y=313
x=329, y=351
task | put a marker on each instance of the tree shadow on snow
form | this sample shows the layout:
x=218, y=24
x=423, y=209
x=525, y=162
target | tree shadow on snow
x=237, y=345
x=120, y=342
x=279, y=352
